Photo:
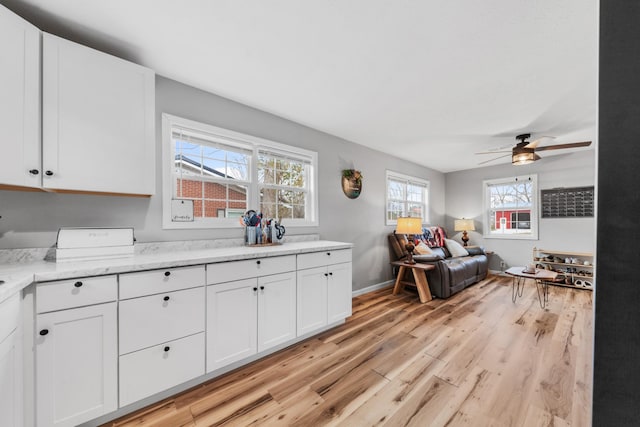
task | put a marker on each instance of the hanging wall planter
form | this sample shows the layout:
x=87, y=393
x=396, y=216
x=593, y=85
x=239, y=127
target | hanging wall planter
x=351, y=183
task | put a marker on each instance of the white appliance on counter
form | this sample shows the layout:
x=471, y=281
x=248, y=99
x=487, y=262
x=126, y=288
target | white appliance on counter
x=82, y=244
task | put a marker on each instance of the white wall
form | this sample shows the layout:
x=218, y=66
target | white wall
x=464, y=199
x=32, y=219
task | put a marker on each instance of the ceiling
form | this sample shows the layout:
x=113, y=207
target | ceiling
x=429, y=81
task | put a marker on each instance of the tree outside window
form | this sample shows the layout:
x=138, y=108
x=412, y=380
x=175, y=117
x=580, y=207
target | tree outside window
x=283, y=187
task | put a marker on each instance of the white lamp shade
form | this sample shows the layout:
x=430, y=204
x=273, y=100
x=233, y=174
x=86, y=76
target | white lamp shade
x=409, y=226
x=463, y=225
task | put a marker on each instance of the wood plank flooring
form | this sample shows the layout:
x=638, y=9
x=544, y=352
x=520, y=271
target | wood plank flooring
x=475, y=359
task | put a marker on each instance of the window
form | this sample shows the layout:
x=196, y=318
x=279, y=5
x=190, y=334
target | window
x=511, y=208
x=406, y=196
x=225, y=173
x=282, y=182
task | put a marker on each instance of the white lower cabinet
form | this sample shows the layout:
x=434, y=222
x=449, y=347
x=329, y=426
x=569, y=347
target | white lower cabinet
x=276, y=310
x=249, y=316
x=161, y=330
x=146, y=372
x=106, y=342
x=323, y=289
x=312, y=300
x=154, y=319
x=76, y=364
x=10, y=382
x=10, y=363
x=339, y=292
x=232, y=322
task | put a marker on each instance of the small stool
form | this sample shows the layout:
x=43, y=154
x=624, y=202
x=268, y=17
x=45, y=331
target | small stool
x=419, y=271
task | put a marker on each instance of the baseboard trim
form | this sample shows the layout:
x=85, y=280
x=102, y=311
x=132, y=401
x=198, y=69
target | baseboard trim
x=372, y=288
x=499, y=273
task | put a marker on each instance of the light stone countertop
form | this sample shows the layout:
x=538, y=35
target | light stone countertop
x=20, y=275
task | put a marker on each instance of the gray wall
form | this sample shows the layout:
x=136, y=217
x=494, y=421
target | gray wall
x=32, y=219
x=464, y=199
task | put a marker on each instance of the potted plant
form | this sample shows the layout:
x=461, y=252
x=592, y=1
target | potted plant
x=351, y=183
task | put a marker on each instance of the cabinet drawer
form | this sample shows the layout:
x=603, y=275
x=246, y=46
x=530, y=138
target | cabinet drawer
x=238, y=270
x=134, y=285
x=9, y=315
x=319, y=259
x=155, y=319
x=158, y=368
x=75, y=293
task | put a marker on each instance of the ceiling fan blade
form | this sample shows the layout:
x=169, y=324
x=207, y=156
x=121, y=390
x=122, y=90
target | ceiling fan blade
x=536, y=142
x=491, y=160
x=492, y=152
x=562, y=146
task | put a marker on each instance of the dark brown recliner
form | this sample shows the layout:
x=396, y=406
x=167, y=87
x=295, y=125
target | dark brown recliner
x=451, y=275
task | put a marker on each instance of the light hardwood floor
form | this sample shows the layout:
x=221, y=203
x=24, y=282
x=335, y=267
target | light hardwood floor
x=475, y=359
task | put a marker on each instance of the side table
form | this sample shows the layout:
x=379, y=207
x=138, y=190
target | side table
x=540, y=277
x=419, y=271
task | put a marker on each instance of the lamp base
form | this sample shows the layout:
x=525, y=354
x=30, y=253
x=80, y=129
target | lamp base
x=465, y=238
x=410, y=247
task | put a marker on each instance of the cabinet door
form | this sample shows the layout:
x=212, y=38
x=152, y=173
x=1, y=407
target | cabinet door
x=276, y=309
x=312, y=299
x=76, y=365
x=339, y=292
x=98, y=121
x=11, y=381
x=231, y=322
x=20, y=101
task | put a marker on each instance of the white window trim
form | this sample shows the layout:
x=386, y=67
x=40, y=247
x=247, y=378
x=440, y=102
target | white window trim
x=534, y=209
x=169, y=121
x=401, y=176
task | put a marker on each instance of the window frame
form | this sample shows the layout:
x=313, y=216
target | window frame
x=533, y=212
x=408, y=179
x=247, y=142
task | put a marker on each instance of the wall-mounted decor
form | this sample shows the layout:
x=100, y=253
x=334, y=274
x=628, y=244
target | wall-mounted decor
x=351, y=183
x=571, y=202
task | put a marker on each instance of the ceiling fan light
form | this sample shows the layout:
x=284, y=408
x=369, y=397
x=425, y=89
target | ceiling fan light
x=523, y=158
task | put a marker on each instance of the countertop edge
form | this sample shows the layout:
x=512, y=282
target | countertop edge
x=16, y=281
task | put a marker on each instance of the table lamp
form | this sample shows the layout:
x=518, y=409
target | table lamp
x=464, y=225
x=410, y=227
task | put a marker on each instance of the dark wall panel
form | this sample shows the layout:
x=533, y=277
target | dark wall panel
x=617, y=326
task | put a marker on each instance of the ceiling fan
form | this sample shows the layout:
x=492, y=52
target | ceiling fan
x=524, y=152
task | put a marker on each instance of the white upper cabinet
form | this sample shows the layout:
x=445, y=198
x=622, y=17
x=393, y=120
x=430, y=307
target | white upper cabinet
x=19, y=101
x=98, y=121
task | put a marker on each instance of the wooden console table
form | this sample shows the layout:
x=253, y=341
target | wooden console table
x=419, y=271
